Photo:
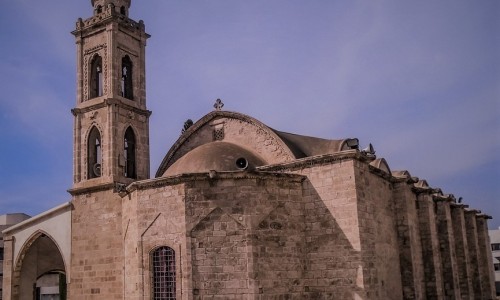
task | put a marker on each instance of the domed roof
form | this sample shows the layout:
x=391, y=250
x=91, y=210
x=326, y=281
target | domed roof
x=218, y=156
x=272, y=146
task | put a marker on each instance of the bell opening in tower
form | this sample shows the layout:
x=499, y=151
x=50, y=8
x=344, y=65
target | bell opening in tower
x=94, y=154
x=96, y=77
x=126, y=84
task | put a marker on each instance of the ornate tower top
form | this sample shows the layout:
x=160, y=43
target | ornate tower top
x=115, y=2
x=120, y=6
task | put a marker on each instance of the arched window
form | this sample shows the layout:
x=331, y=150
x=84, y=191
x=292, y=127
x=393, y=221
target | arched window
x=123, y=10
x=98, y=9
x=129, y=153
x=96, y=77
x=163, y=271
x=127, y=78
x=94, y=154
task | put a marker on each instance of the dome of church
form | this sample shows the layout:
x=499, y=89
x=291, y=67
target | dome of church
x=218, y=156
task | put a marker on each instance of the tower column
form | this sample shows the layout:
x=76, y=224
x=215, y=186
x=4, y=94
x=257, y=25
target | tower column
x=447, y=247
x=462, y=251
x=113, y=63
x=486, y=272
x=430, y=245
x=472, y=243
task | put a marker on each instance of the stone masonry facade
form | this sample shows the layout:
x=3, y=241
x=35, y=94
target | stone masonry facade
x=237, y=210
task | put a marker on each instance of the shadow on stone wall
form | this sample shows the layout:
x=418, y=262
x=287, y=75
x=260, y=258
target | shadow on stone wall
x=285, y=251
x=333, y=268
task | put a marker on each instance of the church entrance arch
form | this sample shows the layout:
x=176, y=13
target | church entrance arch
x=40, y=272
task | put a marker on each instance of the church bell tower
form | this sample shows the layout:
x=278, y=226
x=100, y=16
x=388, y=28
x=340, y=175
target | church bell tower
x=111, y=125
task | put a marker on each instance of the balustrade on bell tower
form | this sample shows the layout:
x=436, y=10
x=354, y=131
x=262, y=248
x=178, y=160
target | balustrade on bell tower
x=119, y=6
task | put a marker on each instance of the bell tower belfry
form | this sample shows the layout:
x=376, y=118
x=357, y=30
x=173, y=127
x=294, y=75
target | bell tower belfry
x=111, y=125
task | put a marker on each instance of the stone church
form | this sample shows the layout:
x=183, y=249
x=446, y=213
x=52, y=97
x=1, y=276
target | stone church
x=237, y=210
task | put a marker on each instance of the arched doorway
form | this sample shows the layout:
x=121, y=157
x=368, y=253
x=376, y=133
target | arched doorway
x=40, y=272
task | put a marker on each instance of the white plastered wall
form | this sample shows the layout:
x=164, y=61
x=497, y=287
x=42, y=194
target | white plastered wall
x=55, y=223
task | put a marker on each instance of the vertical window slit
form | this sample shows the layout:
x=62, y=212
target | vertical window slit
x=126, y=83
x=129, y=154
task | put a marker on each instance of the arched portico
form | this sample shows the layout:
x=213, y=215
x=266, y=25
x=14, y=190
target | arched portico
x=40, y=269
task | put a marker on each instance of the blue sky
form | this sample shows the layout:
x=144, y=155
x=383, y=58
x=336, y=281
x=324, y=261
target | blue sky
x=420, y=80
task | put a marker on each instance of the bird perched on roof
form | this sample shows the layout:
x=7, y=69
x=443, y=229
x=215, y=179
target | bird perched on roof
x=187, y=124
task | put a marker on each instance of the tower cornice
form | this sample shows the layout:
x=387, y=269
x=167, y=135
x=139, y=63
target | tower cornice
x=110, y=101
x=99, y=21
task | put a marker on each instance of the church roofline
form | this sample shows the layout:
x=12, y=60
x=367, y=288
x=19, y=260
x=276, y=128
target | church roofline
x=212, y=175
x=304, y=146
x=167, y=160
x=404, y=175
x=296, y=146
x=313, y=160
x=44, y=215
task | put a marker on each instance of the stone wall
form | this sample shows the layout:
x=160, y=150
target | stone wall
x=332, y=236
x=154, y=218
x=246, y=236
x=351, y=241
x=236, y=235
x=462, y=251
x=379, y=244
x=337, y=229
x=410, y=246
x=446, y=239
x=473, y=247
x=431, y=254
x=97, y=246
x=485, y=259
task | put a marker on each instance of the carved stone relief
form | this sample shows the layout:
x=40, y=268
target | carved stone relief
x=126, y=50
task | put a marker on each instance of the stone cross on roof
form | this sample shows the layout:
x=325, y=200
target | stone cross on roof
x=218, y=104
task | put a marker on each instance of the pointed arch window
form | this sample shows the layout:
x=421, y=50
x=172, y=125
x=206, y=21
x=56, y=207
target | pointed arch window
x=126, y=84
x=129, y=154
x=163, y=270
x=96, y=77
x=123, y=10
x=94, y=156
